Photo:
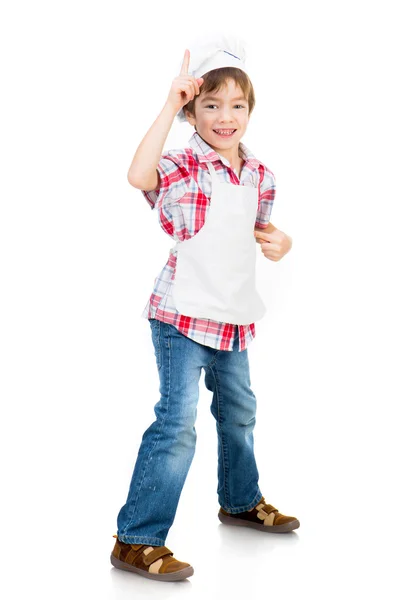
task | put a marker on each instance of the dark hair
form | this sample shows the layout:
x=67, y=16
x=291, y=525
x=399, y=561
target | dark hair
x=214, y=80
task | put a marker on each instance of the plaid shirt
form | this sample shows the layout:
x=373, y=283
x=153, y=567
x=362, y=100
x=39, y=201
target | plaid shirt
x=182, y=202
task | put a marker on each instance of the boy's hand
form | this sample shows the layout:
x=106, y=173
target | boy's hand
x=274, y=245
x=184, y=87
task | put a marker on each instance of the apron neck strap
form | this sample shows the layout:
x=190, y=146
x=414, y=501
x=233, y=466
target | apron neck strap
x=212, y=170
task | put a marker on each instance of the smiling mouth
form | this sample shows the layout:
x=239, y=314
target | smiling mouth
x=225, y=132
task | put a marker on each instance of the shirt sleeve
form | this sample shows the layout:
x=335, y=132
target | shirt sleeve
x=266, y=198
x=174, y=182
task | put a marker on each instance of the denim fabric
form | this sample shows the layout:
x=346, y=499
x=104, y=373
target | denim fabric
x=168, y=445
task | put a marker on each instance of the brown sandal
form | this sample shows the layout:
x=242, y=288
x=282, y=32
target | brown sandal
x=154, y=562
x=264, y=517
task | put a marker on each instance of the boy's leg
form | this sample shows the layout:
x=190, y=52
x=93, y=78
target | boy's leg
x=234, y=408
x=168, y=445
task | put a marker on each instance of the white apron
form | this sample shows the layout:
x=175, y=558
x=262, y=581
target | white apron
x=215, y=269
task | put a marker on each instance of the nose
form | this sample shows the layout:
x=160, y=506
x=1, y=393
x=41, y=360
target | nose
x=225, y=115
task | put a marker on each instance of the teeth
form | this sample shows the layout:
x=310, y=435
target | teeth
x=224, y=131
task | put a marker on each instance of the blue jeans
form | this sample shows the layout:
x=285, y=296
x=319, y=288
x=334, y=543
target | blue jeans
x=168, y=445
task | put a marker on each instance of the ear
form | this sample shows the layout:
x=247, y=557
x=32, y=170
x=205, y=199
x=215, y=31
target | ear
x=190, y=118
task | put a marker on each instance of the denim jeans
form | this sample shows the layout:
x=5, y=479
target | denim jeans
x=168, y=445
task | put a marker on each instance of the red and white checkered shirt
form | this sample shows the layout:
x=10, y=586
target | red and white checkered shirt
x=182, y=201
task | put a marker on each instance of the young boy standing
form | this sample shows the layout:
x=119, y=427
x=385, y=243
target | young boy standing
x=213, y=198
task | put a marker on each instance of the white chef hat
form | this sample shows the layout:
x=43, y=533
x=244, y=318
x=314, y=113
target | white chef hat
x=214, y=52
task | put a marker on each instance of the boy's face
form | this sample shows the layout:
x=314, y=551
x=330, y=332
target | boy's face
x=226, y=109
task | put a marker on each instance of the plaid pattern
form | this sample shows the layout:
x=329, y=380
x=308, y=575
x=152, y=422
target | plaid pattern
x=181, y=202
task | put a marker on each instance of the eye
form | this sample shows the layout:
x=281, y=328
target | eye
x=209, y=105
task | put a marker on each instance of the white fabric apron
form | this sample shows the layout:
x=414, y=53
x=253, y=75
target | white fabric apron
x=215, y=269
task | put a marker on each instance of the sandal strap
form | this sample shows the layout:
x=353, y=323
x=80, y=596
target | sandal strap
x=268, y=508
x=155, y=554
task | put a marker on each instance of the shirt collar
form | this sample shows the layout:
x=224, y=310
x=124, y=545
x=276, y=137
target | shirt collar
x=206, y=153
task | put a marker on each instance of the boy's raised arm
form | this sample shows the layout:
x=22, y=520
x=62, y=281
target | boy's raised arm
x=143, y=173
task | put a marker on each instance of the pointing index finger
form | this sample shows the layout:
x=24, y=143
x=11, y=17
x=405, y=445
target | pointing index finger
x=185, y=64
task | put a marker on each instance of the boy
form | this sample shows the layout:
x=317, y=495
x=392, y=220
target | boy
x=209, y=198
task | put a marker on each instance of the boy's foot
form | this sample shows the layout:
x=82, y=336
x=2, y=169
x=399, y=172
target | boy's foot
x=263, y=516
x=154, y=562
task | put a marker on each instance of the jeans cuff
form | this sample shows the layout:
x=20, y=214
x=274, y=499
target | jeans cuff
x=140, y=539
x=239, y=509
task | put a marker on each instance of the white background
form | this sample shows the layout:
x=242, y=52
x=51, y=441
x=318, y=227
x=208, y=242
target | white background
x=332, y=365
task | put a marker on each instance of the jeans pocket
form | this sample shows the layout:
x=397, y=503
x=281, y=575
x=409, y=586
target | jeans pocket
x=155, y=336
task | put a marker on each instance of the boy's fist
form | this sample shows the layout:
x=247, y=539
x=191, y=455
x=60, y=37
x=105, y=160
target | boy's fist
x=274, y=245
